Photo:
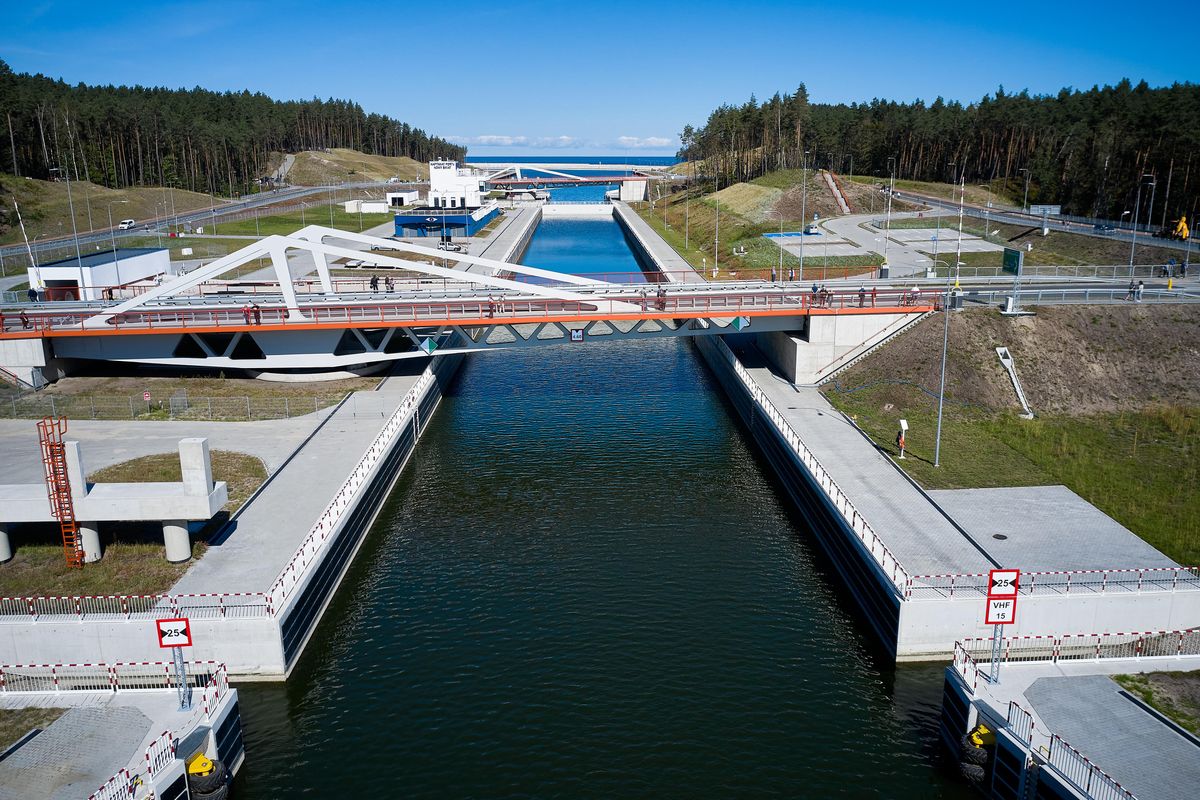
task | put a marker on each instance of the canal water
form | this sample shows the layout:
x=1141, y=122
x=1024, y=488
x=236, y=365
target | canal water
x=586, y=584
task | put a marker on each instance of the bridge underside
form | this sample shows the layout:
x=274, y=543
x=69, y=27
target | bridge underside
x=284, y=348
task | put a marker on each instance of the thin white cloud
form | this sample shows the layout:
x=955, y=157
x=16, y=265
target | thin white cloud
x=499, y=140
x=636, y=142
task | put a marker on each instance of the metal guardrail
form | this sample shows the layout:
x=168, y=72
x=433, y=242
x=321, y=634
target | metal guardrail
x=345, y=498
x=230, y=605
x=1084, y=775
x=1087, y=581
x=210, y=677
x=880, y=553
x=1051, y=649
x=37, y=406
x=1020, y=722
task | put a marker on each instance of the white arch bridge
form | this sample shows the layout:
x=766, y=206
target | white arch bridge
x=203, y=320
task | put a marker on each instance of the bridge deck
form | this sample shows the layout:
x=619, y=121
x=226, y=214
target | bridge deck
x=776, y=300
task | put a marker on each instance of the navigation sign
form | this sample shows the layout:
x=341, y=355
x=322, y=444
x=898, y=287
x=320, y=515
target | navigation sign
x=576, y=334
x=1001, y=611
x=741, y=323
x=1046, y=210
x=175, y=632
x=428, y=345
x=1004, y=582
x=146, y=396
x=1014, y=260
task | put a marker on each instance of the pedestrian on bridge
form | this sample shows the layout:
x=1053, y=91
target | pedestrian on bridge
x=874, y=295
x=1141, y=287
x=491, y=306
x=246, y=313
x=389, y=284
x=257, y=311
x=374, y=283
x=862, y=296
x=1132, y=290
x=662, y=299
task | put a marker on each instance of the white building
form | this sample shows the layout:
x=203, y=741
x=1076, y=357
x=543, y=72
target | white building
x=89, y=276
x=366, y=206
x=402, y=199
x=454, y=187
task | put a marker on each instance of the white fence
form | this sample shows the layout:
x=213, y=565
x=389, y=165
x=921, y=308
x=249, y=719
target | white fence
x=1061, y=582
x=879, y=552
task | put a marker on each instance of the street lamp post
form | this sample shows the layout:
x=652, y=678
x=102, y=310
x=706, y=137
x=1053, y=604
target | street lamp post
x=779, y=244
x=803, y=210
x=1136, y=209
x=112, y=233
x=887, y=231
x=1025, y=200
x=937, y=446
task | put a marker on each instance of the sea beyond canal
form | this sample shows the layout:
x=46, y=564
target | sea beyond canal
x=587, y=584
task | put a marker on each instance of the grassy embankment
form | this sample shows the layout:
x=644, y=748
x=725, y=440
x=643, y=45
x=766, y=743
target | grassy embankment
x=339, y=165
x=133, y=560
x=1176, y=695
x=747, y=211
x=999, y=192
x=1119, y=412
x=45, y=207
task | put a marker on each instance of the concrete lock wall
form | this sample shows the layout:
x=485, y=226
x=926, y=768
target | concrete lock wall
x=804, y=356
x=246, y=646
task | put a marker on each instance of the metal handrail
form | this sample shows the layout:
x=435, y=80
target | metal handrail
x=974, y=585
x=879, y=551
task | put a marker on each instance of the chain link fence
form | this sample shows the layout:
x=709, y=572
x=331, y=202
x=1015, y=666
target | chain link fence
x=110, y=407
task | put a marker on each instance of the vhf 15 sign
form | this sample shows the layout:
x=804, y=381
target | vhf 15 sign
x=1003, y=585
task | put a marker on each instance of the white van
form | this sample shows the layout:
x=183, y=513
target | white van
x=126, y=224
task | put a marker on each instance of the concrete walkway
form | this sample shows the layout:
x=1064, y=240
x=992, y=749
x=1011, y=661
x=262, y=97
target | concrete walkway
x=903, y=258
x=260, y=541
x=670, y=262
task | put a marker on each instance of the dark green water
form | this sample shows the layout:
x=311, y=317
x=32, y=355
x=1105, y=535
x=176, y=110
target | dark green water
x=587, y=585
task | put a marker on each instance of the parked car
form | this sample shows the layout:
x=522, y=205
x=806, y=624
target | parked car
x=1103, y=228
x=126, y=224
x=450, y=246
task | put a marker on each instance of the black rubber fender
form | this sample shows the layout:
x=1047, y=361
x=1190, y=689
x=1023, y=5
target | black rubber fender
x=971, y=753
x=199, y=785
x=972, y=772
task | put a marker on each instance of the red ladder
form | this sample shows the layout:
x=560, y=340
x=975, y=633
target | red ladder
x=54, y=464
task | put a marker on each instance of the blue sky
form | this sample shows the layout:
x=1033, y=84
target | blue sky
x=509, y=76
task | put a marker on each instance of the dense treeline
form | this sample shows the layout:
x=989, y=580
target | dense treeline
x=1086, y=150
x=189, y=138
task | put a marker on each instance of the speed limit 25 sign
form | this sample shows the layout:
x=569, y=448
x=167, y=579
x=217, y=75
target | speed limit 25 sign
x=176, y=632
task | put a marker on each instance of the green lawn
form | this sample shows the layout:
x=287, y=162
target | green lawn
x=292, y=221
x=133, y=560
x=1176, y=695
x=1141, y=469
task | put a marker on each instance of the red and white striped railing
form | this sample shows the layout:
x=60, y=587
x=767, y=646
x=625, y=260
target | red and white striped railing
x=208, y=676
x=1079, y=770
x=1059, y=582
x=119, y=787
x=882, y=556
x=1085, y=646
x=160, y=753
x=208, y=605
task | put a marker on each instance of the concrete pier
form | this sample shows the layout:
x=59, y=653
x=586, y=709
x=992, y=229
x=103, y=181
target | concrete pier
x=89, y=540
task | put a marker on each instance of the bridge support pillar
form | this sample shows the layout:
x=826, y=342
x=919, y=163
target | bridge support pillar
x=177, y=540
x=5, y=545
x=89, y=538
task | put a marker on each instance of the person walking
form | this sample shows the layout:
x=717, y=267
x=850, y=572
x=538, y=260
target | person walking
x=31, y=293
x=1132, y=290
x=389, y=284
x=491, y=305
x=1141, y=287
x=791, y=274
x=374, y=283
x=254, y=307
x=874, y=295
x=862, y=296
